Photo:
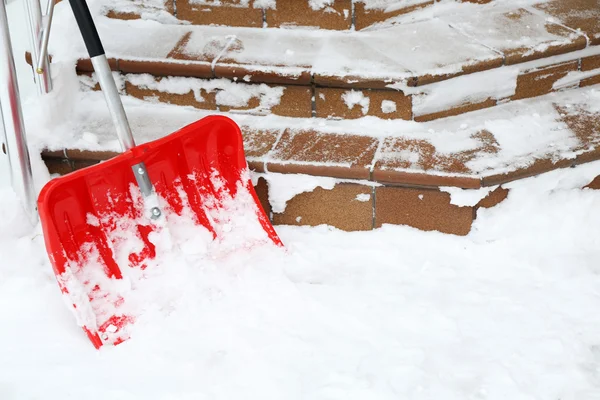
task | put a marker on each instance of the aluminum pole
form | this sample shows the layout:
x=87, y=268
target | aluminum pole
x=22, y=177
x=34, y=13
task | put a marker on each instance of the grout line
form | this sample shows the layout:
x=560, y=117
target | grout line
x=214, y=62
x=373, y=207
x=353, y=16
x=175, y=8
x=264, y=18
x=267, y=158
x=499, y=52
x=313, y=103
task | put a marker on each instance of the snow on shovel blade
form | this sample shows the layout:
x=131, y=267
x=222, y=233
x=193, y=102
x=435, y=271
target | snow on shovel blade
x=97, y=231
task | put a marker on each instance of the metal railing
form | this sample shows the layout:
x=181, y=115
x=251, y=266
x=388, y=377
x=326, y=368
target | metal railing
x=11, y=116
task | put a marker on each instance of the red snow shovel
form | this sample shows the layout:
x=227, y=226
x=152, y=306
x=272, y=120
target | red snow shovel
x=89, y=216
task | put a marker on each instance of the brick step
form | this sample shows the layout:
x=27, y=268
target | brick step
x=382, y=172
x=332, y=14
x=438, y=68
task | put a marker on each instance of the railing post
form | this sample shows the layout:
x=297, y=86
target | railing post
x=36, y=25
x=14, y=127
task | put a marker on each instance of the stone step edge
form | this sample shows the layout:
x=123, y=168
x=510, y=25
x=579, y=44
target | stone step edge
x=355, y=205
x=365, y=205
x=302, y=76
x=322, y=100
x=305, y=101
x=340, y=14
x=68, y=160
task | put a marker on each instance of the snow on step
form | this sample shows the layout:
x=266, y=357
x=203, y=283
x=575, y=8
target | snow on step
x=429, y=48
x=518, y=33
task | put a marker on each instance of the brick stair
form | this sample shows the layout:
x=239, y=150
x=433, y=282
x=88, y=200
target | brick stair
x=418, y=72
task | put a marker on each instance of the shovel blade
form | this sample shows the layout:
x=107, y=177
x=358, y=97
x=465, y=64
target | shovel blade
x=96, y=227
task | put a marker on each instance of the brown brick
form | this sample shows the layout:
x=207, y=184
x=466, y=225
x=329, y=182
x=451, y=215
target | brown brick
x=538, y=167
x=428, y=210
x=339, y=207
x=523, y=54
x=338, y=16
x=262, y=192
x=58, y=166
x=226, y=14
x=134, y=10
x=594, y=184
x=583, y=15
x=493, y=198
x=296, y=101
x=352, y=81
x=126, y=16
x=462, y=109
x=330, y=103
x=590, y=63
x=406, y=161
x=240, y=73
x=585, y=125
x=594, y=80
x=366, y=17
x=424, y=179
x=467, y=68
x=187, y=99
x=85, y=65
x=52, y=154
x=504, y=32
x=166, y=68
x=323, y=154
x=257, y=143
x=539, y=82
x=88, y=155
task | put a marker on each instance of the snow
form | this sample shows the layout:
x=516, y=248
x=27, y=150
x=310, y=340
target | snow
x=465, y=197
x=506, y=312
x=388, y=106
x=363, y=197
x=320, y=4
x=497, y=83
x=352, y=98
x=284, y=187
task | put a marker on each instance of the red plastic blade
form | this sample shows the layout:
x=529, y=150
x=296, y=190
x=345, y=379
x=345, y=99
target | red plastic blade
x=95, y=227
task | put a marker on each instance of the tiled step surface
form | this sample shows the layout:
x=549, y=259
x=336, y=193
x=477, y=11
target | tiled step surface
x=328, y=14
x=396, y=165
x=335, y=14
x=457, y=96
x=421, y=71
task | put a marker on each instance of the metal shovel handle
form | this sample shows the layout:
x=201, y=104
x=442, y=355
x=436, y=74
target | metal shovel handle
x=113, y=100
x=103, y=72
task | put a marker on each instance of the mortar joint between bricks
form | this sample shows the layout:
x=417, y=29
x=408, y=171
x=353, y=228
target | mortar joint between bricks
x=313, y=99
x=373, y=208
x=352, y=16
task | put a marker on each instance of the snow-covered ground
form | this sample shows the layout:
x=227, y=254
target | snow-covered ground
x=508, y=312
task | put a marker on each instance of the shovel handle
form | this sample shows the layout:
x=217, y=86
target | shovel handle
x=103, y=72
x=87, y=27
